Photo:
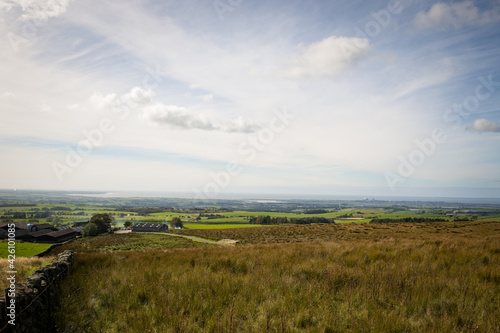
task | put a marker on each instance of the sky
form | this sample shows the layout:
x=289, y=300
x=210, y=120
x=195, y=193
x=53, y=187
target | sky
x=210, y=97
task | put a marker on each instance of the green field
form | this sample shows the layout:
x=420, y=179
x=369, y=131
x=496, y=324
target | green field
x=65, y=210
x=23, y=249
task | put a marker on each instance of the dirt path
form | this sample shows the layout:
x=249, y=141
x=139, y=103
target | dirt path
x=196, y=239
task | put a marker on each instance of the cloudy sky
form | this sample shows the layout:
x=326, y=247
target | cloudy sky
x=211, y=97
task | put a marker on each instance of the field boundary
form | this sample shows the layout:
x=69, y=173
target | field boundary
x=35, y=298
x=47, y=251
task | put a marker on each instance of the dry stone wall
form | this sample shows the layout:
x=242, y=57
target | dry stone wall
x=35, y=299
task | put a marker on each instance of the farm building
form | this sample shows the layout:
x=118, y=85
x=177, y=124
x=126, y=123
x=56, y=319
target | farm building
x=77, y=229
x=35, y=236
x=149, y=227
x=49, y=236
x=38, y=227
x=80, y=224
x=20, y=230
x=53, y=236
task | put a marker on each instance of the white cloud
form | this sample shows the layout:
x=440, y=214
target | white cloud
x=175, y=116
x=171, y=115
x=456, y=15
x=139, y=96
x=179, y=117
x=485, y=125
x=101, y=101
x=38, y=10
x=136, y=97
x=239, y=125
x=327, y=57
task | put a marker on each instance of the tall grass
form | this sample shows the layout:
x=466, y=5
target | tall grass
x=24, y=267
x=382, y=285
x=352, y=231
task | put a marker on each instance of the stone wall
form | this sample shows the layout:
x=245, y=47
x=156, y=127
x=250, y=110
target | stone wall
x=35, y=299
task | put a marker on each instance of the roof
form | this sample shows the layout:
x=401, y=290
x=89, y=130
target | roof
x=61, y=233
x=78, y=229
x=42, y=225
x=66, y=227
x=19, y=225
x=149, y=226
x=80, y=224
x=4, y=234
x=39, y=233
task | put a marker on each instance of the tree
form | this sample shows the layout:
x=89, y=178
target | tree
x=104, y=222
x=176, y=223
x=127, y=224
x=91, y=229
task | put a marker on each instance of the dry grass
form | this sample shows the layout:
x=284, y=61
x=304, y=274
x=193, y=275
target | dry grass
x=337, y=232
x=387, y=278
x=25, y=267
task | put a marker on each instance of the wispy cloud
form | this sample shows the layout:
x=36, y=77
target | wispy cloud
x=142, y=101
x=360, y=102
x=443, y=16
x=182, y=118
x=39, y=10
x=326, y=57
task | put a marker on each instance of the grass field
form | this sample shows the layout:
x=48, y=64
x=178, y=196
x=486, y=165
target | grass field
x=439, y=277
x=127, y=242
x=23, y=249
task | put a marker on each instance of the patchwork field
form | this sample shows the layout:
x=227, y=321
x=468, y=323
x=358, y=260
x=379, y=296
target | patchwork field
x=434, y=277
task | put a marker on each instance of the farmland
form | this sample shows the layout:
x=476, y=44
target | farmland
x=438, y=273
x=61, y=209
x=23, y=249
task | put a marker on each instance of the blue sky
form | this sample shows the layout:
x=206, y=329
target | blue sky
x=212, y=97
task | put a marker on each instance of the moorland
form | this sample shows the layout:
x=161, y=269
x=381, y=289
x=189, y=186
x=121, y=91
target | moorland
x=374, y=266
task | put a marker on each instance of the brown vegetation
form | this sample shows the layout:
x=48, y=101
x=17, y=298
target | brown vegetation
x=335, y=232
x=442, y=277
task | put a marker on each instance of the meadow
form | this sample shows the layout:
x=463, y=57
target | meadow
x=430, y=277
x=127, y=242
x=23, y=249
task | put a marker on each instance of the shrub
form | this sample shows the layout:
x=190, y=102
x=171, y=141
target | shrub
x=91, y=229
